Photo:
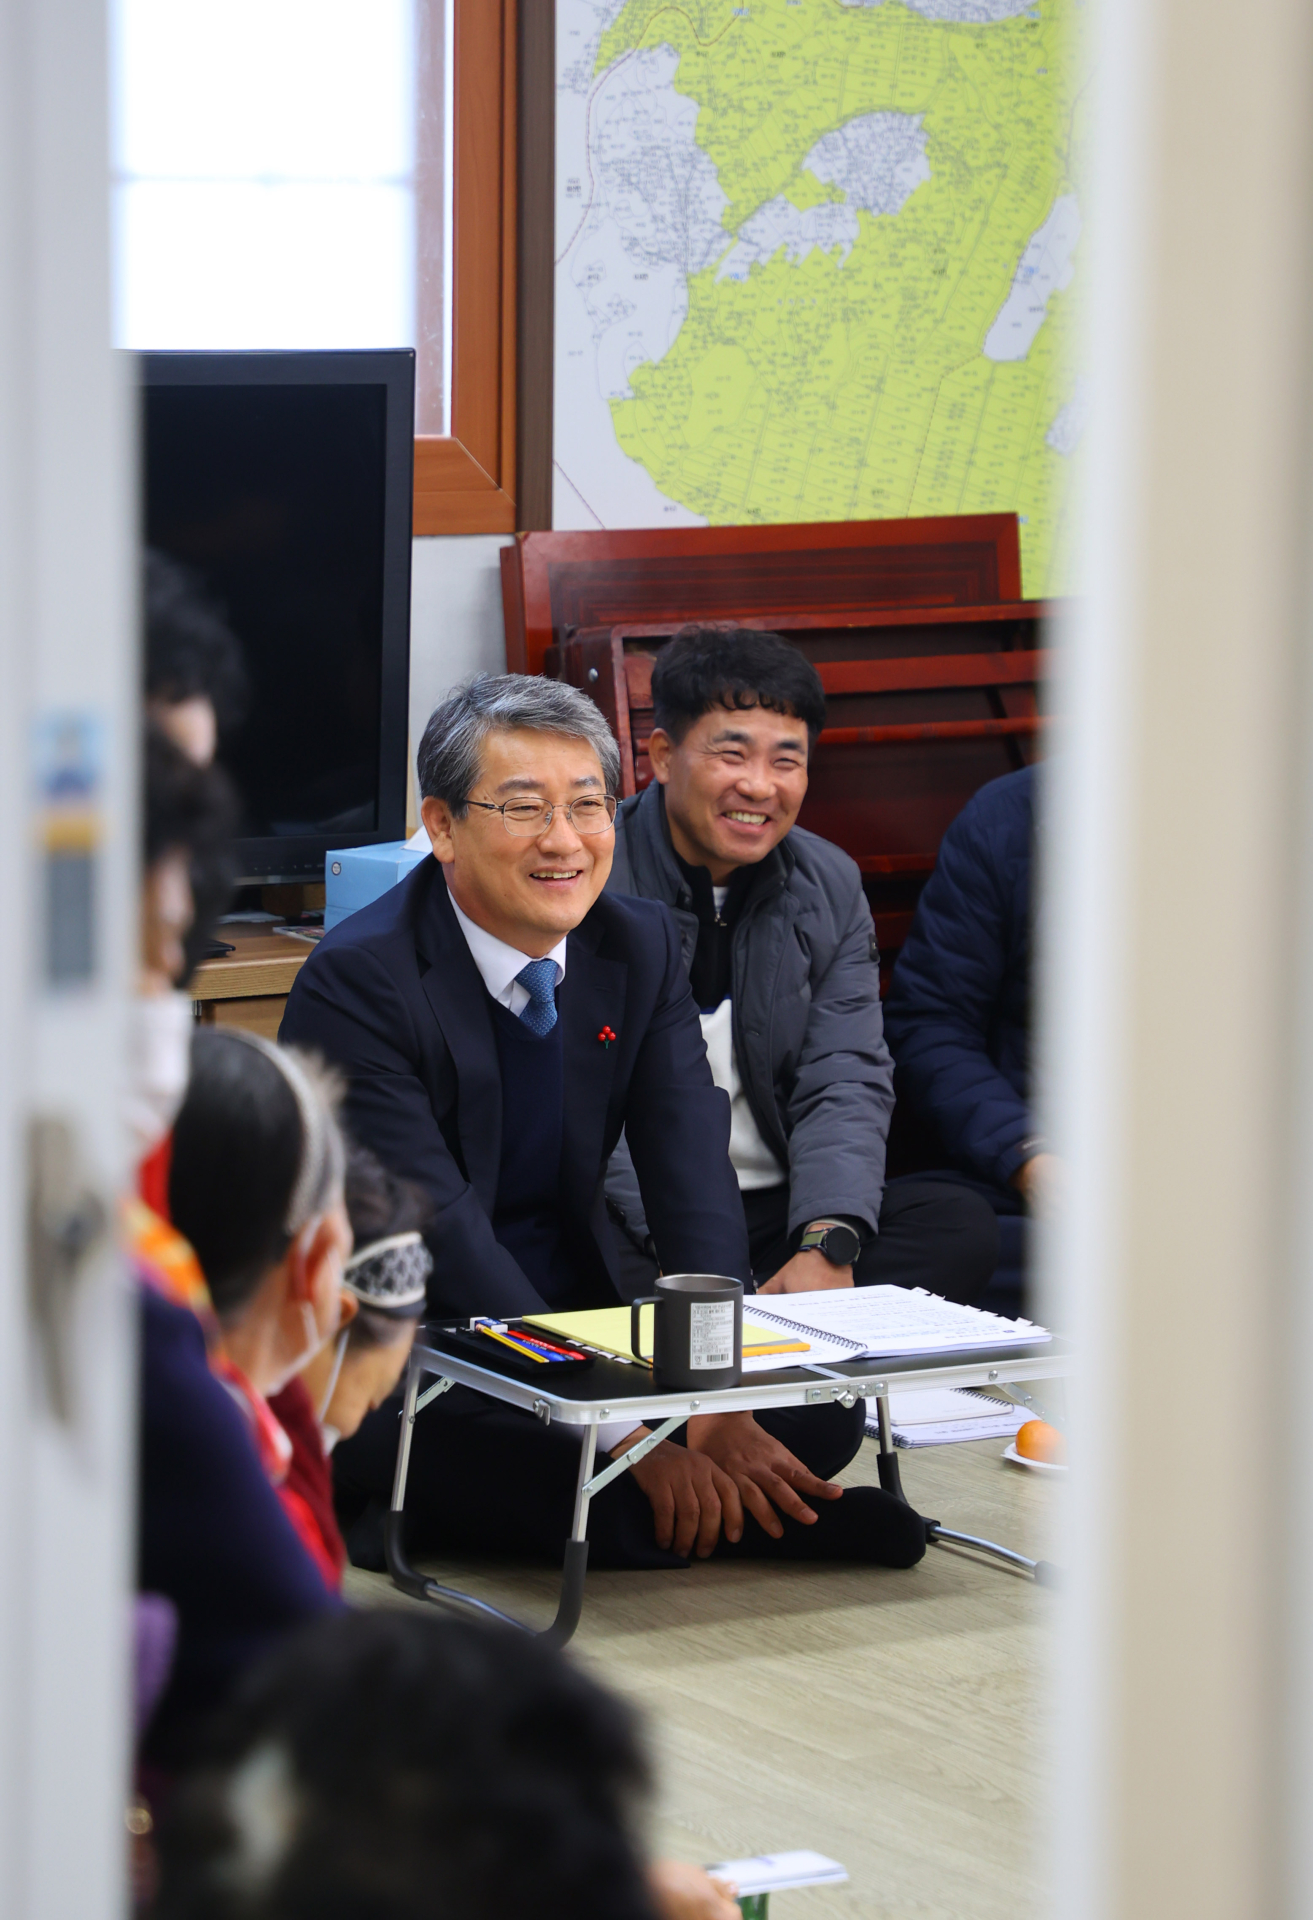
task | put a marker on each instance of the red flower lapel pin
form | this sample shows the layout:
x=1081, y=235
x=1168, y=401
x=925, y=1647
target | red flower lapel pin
x=606, y=1036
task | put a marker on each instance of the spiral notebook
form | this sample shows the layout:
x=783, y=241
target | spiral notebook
x=813, y=1329
x=941, y=1416
x=882, y=1322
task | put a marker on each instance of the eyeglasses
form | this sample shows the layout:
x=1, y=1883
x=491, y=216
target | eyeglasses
x=526, y=819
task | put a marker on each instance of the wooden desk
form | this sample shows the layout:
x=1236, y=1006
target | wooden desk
x=249, y=987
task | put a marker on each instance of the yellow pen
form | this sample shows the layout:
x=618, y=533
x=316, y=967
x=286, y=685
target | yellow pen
x=515, y=1346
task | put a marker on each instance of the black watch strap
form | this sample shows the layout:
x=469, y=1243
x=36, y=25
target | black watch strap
x=839, y=1242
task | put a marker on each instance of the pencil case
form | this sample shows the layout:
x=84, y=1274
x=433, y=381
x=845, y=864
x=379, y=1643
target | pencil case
x=490, y=1353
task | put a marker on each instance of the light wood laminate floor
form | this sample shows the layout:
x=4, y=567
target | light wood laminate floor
x=892, y=1720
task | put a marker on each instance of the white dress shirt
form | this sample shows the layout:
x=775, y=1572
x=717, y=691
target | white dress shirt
x=499, y=964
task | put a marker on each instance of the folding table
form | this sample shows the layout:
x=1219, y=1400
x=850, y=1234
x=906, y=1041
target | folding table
x=611, y=1388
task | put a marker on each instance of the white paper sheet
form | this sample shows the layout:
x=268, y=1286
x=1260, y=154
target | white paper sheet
x=940, y=1416
x=773, y=1872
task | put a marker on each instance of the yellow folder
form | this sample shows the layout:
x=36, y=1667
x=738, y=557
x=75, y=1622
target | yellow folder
x=607, y=1328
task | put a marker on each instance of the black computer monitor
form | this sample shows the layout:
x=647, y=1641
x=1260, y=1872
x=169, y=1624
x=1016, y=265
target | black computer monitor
x=285, y=480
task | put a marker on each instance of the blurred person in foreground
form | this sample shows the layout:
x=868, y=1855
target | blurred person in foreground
x=196, y=690
x=398, y=1766
x=959, y=1023
x=188, y=811
x=240, y=1286
x=256, y=1186
x=220, y=1567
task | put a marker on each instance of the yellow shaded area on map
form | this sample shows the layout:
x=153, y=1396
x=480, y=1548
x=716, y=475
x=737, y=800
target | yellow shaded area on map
x=833, y=389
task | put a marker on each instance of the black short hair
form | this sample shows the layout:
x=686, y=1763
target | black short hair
x=238, y=1143
x=393, y=1765
x=190, y=648
x=733, y=667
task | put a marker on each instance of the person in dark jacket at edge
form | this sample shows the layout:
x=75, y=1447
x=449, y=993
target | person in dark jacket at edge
x=958, y=1019
x=777, y=940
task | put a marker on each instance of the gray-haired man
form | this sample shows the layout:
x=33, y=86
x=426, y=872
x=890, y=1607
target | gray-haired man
x=500, y=1020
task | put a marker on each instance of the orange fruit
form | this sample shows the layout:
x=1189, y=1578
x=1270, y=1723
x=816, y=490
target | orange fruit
x=1037, y=1440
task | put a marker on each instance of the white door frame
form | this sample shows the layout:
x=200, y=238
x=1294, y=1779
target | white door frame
x=1180, y=981
x=67, y=648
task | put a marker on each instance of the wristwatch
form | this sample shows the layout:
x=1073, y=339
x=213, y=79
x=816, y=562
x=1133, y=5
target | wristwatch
x=839, y=1243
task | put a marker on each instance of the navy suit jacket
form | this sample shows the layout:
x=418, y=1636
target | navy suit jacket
x=393, y=997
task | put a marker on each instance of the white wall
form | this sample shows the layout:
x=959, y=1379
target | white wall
x=455, y=617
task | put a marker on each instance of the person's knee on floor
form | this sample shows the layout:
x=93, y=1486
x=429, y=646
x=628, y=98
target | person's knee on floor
x=935, y=1233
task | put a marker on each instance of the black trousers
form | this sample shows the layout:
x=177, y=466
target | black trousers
x=488, y=1479
x=1009, y=1289
x=934, y=1233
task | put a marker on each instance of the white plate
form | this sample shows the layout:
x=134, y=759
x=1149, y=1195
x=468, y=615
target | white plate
x=1033, y=1466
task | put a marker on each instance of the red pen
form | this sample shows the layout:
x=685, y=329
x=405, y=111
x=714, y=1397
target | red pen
x=548, y=1346
x=515, y=1338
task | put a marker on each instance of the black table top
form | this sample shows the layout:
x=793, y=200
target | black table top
x=615, y=1382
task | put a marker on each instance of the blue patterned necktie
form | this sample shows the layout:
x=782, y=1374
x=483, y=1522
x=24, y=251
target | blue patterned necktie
x=539, y=981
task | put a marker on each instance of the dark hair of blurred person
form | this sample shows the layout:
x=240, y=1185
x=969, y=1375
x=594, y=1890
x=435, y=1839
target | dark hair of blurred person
x=188, y=812
x=390, y=1765
x=195, y=689
x=195, y=679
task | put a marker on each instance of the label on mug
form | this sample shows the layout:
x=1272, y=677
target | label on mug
x=711, y=1335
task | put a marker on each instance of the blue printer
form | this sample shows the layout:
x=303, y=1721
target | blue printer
x=353, y=876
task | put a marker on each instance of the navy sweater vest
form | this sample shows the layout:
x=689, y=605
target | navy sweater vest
x=526, y=1218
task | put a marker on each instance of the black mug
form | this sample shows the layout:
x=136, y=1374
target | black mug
x=699, y=1330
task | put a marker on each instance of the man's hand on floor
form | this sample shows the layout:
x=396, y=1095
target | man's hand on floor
x=806, y=1273
x=691, y=1496
x=687, y=1893
x=762, y=1468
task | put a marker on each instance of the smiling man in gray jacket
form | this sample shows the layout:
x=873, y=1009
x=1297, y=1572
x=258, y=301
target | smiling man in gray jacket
x=780, y=949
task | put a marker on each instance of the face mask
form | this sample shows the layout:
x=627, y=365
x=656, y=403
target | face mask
x=314, y=1341
x=159, y=1052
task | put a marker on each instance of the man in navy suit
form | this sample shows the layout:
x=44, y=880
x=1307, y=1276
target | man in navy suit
x=499, y=1021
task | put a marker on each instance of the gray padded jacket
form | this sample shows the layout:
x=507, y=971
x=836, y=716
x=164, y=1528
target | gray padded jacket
x=808, y=1031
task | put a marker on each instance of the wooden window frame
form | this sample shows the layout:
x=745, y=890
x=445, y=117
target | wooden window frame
x=465, y=481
